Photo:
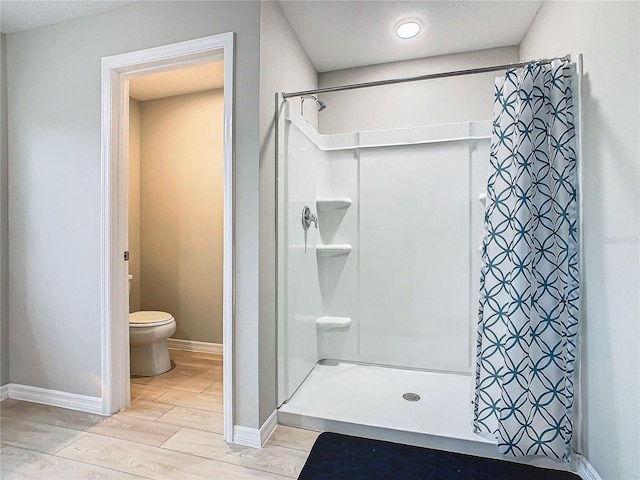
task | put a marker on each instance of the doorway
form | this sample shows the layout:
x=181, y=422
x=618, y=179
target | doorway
x=117, y=71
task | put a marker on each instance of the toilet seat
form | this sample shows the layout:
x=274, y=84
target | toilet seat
x=148, y=319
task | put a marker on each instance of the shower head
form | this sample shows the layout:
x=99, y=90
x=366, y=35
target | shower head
x=319, y=103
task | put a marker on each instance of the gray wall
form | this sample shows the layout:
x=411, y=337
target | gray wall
x=607, y=34
x=134, y=204
x=181, y=212
x=446, y=100
x=54, y=161
x=284, y=66
x=4, y=253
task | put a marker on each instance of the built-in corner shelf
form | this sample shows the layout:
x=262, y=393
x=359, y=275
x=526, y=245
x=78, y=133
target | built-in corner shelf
x=333, y=203
x=482, y=198
x=333, y=250
x=333, y=322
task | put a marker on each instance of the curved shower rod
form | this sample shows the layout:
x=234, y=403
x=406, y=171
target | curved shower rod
x=455, y=73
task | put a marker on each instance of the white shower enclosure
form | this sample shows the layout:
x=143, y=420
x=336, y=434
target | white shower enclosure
x=383, y=295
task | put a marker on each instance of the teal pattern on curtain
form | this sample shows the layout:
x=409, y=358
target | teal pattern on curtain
x=529, y=284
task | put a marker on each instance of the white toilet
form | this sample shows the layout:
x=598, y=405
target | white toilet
x=148, y=333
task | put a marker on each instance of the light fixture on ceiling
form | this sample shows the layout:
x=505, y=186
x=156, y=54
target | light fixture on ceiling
x=407, y=29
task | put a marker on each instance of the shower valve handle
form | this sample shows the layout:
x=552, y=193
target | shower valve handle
x=308, y=217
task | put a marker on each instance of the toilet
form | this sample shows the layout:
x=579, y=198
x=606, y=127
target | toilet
x=148, y=333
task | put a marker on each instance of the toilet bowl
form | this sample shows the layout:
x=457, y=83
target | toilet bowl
x=148, y=350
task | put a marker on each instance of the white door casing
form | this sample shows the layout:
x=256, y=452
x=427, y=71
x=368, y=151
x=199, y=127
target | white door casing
x=116, y=71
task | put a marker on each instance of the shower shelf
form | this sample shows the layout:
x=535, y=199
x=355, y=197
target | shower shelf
x=336, y=203
x=333, y=250
x=333, y=321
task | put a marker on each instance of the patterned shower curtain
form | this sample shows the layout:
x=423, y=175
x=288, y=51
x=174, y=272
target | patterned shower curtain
x=528, y=313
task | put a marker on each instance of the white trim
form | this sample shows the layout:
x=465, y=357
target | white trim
x=193, y=346
x=4, y=392
x=252, y=437
x=249, y=437
x=72, y=401
x=116, y=70
x=268, y=427
x=578, y=404
x=585, y=470
x=449, y=132
x=228, y=274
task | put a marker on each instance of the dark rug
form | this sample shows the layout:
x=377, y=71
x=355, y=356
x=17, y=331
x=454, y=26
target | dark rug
x=341, y=457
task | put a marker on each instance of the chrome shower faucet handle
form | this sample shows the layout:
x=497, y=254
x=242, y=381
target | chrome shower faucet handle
x=308, y=217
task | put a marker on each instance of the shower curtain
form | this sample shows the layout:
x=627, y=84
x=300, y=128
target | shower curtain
x=528, y=312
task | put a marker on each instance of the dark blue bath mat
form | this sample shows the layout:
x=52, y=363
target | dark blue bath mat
x=340, y=457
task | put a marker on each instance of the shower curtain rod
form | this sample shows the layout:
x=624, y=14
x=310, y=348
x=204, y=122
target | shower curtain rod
x=455, y=73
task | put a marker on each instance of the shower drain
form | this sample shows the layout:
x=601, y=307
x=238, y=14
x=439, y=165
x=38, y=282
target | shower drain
x=411, y=397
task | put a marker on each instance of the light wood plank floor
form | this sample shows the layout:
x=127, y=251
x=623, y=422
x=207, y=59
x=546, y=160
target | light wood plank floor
x=172, y=430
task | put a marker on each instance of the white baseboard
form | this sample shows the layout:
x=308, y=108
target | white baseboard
x=4, y=392
x=585, y=469
x=252, y=437
x=249, y=437
x=194, y=346
x=72, y=401
x=268, y=427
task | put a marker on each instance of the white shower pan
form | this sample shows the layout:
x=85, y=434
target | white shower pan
x=367, y=400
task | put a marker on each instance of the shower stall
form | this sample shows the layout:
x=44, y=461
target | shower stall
x=381, y=255
x=378, y=254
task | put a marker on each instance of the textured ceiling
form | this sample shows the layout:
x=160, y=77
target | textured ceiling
x=343, y=34
x=19, y=15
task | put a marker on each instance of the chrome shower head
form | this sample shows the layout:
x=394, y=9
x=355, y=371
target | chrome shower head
x=319, y=103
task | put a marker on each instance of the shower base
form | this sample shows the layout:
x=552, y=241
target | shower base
x=367, y=400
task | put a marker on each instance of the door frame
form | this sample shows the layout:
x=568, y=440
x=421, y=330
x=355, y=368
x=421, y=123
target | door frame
x=114, y=309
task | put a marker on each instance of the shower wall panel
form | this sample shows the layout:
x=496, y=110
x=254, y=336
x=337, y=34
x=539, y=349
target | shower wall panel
x=479, y=175
x=407, y=223
x=415, y=256
x=297, y=329
x=338, y=275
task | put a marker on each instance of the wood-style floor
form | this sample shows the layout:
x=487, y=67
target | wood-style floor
x=172, y=430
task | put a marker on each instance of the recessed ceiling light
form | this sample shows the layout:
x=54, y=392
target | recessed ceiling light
x=407, y=29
